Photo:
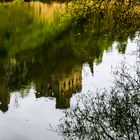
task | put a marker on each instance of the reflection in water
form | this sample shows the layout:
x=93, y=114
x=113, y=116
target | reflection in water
x=4, y=97
x=44, y=11
x=58, y=85
x=61, y=87
x=4, y=92
x=33, y=115
x=54, y=72
x=55, y=67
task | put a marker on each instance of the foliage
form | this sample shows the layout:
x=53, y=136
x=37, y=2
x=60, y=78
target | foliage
x=34, y=28
x=113, y=114
x=87, y=10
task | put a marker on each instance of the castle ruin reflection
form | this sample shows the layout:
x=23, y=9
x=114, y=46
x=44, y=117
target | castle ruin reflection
x=61, y=86
x=16, y=74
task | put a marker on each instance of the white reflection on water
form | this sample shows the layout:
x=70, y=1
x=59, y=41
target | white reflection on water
x=102, y=76
x=28, y=118
x=103, y=72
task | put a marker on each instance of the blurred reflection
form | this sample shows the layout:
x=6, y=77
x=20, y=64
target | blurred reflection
x=61, y=86
x=55, y=74
x=54, y=70
x=53, y=65
x=4, y=93
x=4, y=98
x=51, y=78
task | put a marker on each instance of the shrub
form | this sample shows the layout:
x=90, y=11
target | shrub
x=107, y=115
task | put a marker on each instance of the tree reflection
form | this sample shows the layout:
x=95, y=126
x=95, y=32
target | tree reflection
x=4, y=93
x=55, y=70
x=55, y=66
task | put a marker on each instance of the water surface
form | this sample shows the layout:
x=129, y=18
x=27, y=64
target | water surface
x=38, y=83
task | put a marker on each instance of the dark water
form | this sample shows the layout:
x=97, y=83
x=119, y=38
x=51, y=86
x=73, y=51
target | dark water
x=37, y=84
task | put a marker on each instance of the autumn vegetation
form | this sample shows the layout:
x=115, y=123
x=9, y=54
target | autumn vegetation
x=78, y=26
x=42, y=23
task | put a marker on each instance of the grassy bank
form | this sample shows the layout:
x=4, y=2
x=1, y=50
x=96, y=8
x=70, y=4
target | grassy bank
x=35, y=24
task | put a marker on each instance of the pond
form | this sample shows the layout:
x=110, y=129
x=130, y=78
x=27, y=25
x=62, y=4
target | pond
x=38, y=83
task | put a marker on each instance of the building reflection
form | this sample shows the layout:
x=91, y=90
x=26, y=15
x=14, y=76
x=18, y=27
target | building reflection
x=57, y=80
x=61, y=86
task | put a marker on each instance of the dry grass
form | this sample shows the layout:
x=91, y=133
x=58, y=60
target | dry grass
x=45, y=12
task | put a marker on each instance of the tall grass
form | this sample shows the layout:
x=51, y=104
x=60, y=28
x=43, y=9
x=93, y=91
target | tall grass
x=28, y=25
